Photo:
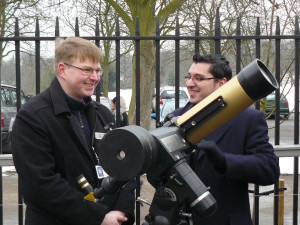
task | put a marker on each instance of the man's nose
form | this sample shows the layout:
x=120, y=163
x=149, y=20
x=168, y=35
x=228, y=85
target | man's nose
x=94, y=76
x=190, y=82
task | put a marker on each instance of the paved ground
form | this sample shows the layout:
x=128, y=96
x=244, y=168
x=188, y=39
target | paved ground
x=266, y=202
x=10, y=201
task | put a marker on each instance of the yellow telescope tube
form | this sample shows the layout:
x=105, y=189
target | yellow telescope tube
x=254, y=82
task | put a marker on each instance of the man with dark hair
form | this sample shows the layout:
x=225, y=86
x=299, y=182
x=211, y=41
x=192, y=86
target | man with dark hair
x=232, y=156
x=56, y=137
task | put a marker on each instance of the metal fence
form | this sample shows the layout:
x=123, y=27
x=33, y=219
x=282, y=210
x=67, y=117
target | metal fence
x=281, y=151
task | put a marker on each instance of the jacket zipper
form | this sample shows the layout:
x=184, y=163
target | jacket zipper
x=80, y=120
x=93, y=137
x=82, y=126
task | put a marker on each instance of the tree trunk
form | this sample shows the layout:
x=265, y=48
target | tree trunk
x=105, y=66
x=147, y=73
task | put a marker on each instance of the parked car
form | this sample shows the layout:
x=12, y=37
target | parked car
x=270, y=106
x=169, y=107
x=8, y=113
x=103, y=100
x=165, y=95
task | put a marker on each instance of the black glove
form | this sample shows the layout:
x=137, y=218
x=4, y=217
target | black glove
x=214, y=154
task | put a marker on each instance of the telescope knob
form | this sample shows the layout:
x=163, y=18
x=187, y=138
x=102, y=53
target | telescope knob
x=109, y=126
x=169, y=117
x=167, y=121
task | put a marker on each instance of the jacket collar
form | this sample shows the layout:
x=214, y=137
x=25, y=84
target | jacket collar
x=61, y=106
x=58, y=98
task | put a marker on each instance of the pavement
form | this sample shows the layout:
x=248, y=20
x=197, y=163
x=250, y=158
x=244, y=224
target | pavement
x=10, y=200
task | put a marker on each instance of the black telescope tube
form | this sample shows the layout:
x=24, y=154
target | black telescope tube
x=195, y=192
x=257, y=80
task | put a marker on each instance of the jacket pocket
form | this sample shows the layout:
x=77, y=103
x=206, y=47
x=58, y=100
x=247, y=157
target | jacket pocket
x=66, y=167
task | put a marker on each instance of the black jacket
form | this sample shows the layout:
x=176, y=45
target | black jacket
x=49, y=152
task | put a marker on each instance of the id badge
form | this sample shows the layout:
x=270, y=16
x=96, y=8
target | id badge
x=99, y=135
x=100, y=172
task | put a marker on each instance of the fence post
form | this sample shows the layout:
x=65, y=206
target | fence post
x=281, y=202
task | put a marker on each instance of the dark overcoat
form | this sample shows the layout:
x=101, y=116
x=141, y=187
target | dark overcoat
x=249, y=158
x=50, y=152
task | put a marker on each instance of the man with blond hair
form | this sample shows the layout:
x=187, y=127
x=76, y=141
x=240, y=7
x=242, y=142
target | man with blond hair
x=56, y=138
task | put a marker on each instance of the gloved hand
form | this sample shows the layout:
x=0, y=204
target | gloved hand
x=214, y=154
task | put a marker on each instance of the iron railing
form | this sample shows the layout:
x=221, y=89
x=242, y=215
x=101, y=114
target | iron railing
x=282, y=151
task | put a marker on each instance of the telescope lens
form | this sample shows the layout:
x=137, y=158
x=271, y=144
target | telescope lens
x=266, y=73
x=257, y=80
x=205, y=205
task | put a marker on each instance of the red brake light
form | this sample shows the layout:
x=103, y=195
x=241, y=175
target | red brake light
x=286, y=103
x=161, y=101
x=2, y=120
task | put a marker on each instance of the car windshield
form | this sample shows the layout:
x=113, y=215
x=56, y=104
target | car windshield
x=106, y=104
x=271, y=97
x=9, y=97
x=170, y=107
x=169, y=94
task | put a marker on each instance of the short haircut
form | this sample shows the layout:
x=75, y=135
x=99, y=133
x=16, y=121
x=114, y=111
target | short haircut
x=122, y=102
x=220, y=67
x=72, y=48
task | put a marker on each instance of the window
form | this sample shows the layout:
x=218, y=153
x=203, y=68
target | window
x=9, y=97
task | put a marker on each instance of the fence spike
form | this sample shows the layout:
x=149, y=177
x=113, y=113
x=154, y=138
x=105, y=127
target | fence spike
x=76, y=28
x=257, y=41
x=57, y=27
x=157, y=27
x=117, y=27
x=217, y=33
x=97, y=30
x=277, y=26
x=238, y=46
x=197, y=34
x=37, y=28
x=296, y=26
x=137, y=30
x=17, y=31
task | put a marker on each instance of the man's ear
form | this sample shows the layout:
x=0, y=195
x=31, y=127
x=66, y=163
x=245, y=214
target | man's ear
x=61, y=70
x=222, y=81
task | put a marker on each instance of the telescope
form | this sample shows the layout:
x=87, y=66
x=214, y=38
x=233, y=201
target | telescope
x=160, y=153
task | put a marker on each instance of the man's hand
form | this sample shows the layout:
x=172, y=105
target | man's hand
x=114, y=218
x=214, y=154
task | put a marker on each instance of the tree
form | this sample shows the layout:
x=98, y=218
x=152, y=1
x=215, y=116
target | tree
x=171, y=79
x=146, y=11
x=249, y=12
x=27, y=11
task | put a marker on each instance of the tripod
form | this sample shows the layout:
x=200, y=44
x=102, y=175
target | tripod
x=164, y=209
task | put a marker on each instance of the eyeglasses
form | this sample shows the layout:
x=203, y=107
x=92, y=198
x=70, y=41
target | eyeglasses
x=87, y=71
x=198, y=79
